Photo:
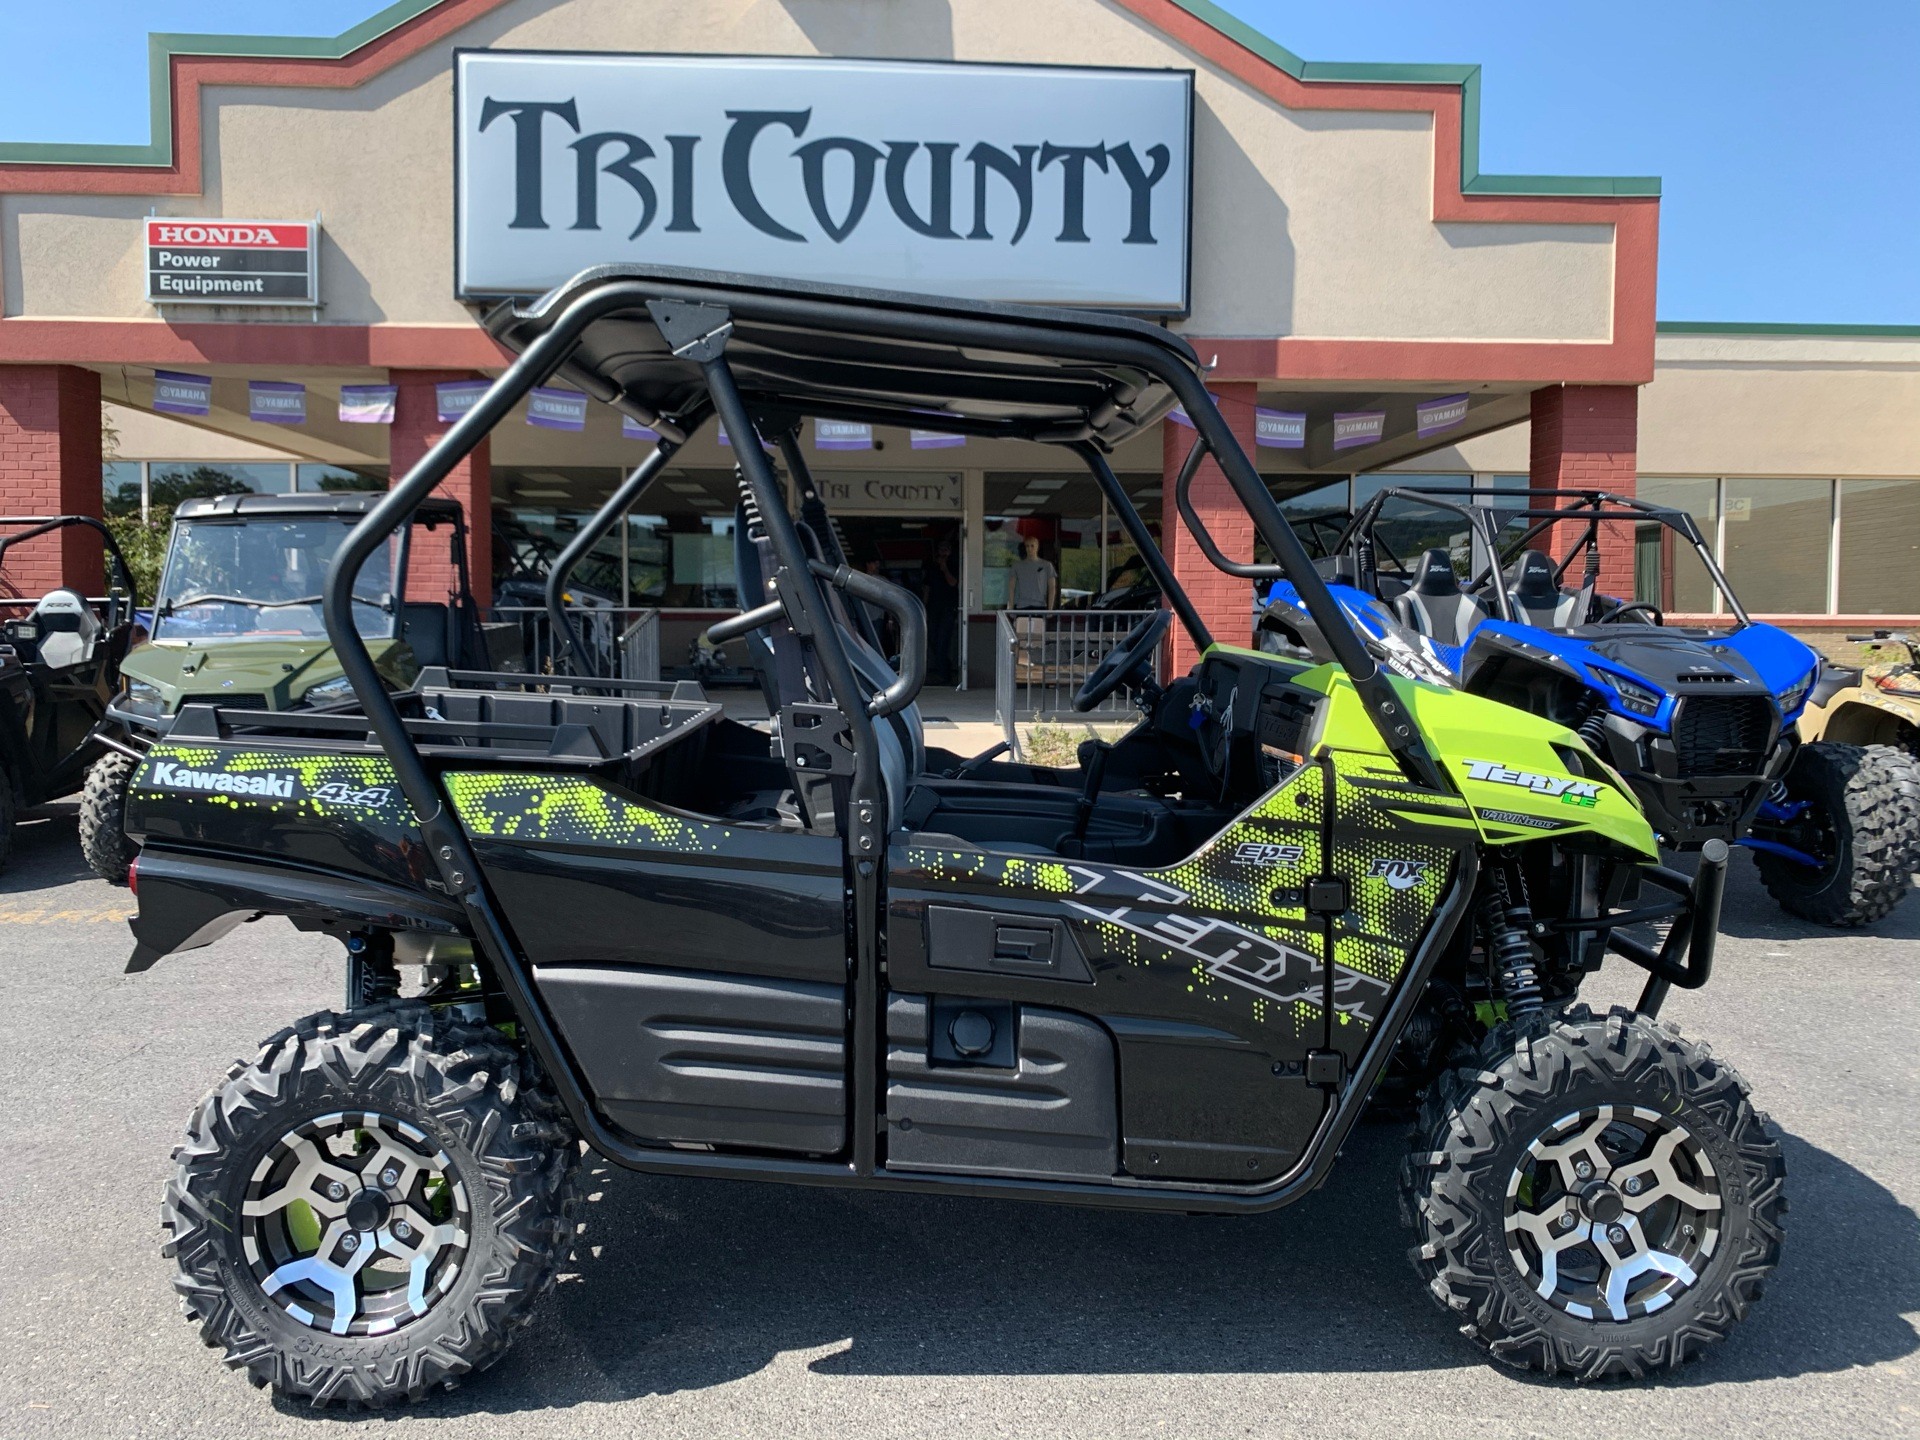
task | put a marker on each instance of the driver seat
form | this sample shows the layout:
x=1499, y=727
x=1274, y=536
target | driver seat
x=1534, y=589
x=1433, y=604
x=68, y=629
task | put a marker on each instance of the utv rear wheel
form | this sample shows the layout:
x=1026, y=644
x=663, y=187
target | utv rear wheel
x=103, y=817
x=1594, y=1197
x=369, y=1209
x=1859, y=814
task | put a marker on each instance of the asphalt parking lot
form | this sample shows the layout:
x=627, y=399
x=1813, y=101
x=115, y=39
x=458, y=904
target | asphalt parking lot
x=717, y=1309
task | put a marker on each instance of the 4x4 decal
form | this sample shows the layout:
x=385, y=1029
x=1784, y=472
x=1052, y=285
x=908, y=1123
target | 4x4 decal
x=336, y=792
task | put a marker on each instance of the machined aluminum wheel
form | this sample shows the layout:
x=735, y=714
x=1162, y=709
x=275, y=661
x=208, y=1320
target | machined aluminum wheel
x=1613, y=1212
x=355, y=1223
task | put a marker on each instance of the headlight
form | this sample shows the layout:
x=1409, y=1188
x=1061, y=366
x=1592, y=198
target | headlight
x=1795, y=695
x=338, y=688
x=1635, y=698
x=144, y=700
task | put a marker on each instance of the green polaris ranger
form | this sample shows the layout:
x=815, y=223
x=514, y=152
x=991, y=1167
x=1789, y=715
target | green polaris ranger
x=602, y=911
x=237, y=622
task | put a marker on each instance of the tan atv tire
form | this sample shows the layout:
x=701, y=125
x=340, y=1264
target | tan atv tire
x=103, y=817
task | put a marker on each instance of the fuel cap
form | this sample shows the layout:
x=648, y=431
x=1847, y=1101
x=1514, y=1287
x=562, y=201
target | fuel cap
x=971, y=1033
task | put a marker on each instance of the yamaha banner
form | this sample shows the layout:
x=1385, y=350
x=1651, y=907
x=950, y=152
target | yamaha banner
x=985, y=182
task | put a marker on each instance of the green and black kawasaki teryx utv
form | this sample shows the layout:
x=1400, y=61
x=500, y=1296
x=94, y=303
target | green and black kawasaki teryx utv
x=237, y=622
x=594, y=910
x=59, y=656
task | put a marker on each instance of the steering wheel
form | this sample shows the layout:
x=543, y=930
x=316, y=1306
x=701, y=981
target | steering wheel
x=1132, y=654
x=1612, y=617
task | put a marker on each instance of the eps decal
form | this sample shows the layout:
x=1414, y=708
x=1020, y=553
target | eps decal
x=1258, y=852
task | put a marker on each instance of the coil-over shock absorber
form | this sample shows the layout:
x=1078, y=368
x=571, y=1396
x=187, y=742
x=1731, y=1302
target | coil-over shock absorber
x=1505, y=919
x=1593, y=725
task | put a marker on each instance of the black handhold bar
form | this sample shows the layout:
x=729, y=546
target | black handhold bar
x=1695, y=932
x=1181, y=485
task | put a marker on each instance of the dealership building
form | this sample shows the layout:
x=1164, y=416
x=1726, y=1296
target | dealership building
x=278, y=293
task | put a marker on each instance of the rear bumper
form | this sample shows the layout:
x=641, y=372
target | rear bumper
x=189, y=900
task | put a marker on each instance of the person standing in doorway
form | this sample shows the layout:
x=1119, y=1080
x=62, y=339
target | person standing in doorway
x=943, y=605
x=1033, y=585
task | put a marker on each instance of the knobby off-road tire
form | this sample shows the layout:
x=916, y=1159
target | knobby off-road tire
x=1867, y=798
x=103, y=817
x=1682, y=1197
x=462, y=1153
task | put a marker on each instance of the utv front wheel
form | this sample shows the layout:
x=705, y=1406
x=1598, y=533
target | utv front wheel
x=103, y=817
x=1594, y=1197
x=1856, y=810
x=369, y=1210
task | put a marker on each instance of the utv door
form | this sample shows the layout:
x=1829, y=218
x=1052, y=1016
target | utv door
x=696, y=969
x=1059, y=1016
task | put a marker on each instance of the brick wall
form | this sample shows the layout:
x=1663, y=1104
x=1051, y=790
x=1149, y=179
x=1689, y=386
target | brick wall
x=416, y=426
x=1225, y=603
x=1586, y=437
x=50, y=465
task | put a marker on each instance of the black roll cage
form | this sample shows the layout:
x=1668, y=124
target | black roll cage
x=1486, y=517
x=695, y=314
x=48, y=524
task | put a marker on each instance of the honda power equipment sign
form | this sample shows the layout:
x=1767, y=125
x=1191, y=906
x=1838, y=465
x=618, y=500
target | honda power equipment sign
x=232, y=262
x=985, y=182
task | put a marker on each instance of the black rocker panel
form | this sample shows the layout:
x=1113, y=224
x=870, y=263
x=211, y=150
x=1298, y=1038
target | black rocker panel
x=674, y=1055
x=1044, y=1109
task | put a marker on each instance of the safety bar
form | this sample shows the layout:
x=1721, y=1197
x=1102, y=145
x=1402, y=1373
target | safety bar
x=1143, y=543
x=591, y=534
x=900, y=603
x=1694, y=933
x=1202, y=537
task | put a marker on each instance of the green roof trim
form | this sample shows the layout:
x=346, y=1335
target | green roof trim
x=1754, y=327
x=1466, y=77
x=163, y=48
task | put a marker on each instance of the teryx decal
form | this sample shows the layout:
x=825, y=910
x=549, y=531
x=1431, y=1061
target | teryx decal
x=1550, y=785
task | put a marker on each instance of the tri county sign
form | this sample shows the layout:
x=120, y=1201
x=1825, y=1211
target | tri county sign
x=1050, y=184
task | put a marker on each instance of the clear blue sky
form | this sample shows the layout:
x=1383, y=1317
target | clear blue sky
x=1787, y=136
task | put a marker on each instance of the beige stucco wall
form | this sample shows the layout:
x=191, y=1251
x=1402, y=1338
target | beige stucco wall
x=1312, y=223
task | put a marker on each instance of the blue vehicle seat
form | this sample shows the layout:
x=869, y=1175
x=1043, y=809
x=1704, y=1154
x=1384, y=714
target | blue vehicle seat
x=1434, y=606
x=1534, y=588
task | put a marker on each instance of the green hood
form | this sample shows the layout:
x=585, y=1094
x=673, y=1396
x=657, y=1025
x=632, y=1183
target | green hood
x=1510, y=766
x=281, y=671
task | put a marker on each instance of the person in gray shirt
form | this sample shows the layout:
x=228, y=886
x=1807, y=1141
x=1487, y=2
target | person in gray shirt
x=1036, y=584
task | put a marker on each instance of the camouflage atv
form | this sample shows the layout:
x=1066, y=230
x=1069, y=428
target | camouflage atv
x=237, y=622
x=1881, y=708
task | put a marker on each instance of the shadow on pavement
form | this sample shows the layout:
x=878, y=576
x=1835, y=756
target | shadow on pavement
x=689, y=1284
x=46, y=851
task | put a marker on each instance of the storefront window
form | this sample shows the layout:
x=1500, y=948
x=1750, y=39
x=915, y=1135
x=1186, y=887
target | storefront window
x=170, y=483
x=120, y=487
x=1667, y=571
x=1879, y=547
x=327, y=479
x=1062, y=514
x=1776, y=536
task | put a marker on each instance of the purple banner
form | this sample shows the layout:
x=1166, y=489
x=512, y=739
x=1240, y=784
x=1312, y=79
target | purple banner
x=455, y=398
x=178, y=394
x=1279, y=429
x=276, y=402
x=1358, y=427
x=720, y=434
x=934, y=440
x=842, y=435
x=632, y=429
x=367, y=404
x=552, y=408
x=1433, y=416
x=1178, y=415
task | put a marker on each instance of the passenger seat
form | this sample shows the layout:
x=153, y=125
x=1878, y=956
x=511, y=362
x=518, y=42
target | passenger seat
x=1535, y=591
x=1433, y=605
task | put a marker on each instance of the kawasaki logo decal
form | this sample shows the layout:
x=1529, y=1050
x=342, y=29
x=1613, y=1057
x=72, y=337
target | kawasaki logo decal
x=1574, y=791
x=1399, y=874
x=178, y=777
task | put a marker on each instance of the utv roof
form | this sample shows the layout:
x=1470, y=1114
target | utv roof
x=873, y=355
x=435, y=510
